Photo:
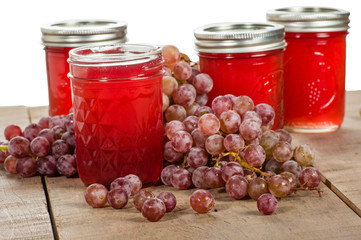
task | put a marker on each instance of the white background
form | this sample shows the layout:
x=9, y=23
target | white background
x=22, y=67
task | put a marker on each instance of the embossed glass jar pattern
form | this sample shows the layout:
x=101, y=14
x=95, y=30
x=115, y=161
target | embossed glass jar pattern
x=314, y=67
x=117, y=112
x=244, y=59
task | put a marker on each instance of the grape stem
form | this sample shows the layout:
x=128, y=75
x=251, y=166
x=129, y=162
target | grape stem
x=3, y=148
x=302, y=187
x=244, y=164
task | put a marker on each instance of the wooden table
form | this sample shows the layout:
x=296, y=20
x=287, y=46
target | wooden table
x=47, y=208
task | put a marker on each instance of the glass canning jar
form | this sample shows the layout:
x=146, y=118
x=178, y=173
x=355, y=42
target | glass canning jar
x=244, y=59
x=59, y=38
x=314, y=67
x=117, y=102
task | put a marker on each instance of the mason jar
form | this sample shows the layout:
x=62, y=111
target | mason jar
x=117, y=105
x=59, y=38
x=314, y=67
x=244, y=59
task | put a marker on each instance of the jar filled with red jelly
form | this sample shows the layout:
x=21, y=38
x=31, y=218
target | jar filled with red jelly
x=244, y=59
x=117, y=102
x=59, y=38
x=314, y=67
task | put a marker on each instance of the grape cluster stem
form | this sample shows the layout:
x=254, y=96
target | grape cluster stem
x=302, y=187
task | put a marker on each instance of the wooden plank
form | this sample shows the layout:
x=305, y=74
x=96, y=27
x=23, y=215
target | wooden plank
x=339, y=154
x=301, y=216
x=23, y=208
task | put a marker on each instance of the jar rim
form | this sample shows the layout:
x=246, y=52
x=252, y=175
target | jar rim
x=114, y=54
x=75, y=33
x=238, y=37
x=310, y=19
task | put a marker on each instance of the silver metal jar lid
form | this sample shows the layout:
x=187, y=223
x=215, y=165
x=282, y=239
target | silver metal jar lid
x=239, y=37
x=310, y=19
x=75, y=33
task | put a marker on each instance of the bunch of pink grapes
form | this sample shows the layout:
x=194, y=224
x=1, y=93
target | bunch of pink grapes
x=46, y=148
x=229, y=143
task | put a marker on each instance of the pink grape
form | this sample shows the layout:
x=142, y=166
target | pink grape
x=141, y=197
x=135, y=182
x=172, y=127
x=266, y=112
x=197, y=157
x=182, y=141
x=69, y=138
x=273, y=165
x=66, y=165
x=202, y=99
x=267, y=204
x=182, y=71
x=181, y=179
x=122, y=183
x=250, y=130
x=209, y=124
x=166, y=174
x=292, y=167
x=231, y=169
x=279, y=186
x=197, y=177
x=167, y=71
x=32, y=131
x=19, y=147
x=257, y=187
x=171, y=56
x=175, y=112
x=169, y=85
x=190, y=123
x=203, y=83
x=26, y=167
x=48, y=134
x=310, y=177
x=268, y=140
x=185, y=95
x=254, y=155
x=202, y=201
x=233, y=143
x=284, y=135
x=243, y=104
x=202, y=110
x=59, y=148
x=292, y=179
x=40, y=146
x=215, y=144
x=169, y=200
x=153, y=209
x=282, y=151
x=166, y=102
x=10, y=164
x=252, y=115
x=58, y=131
x=195, y=72
x=213, y=177
x=236, y=187
x=199, y=139
x=170, y=154
x=47, y=165
x=56, y=121
x=230, y=121
x=96, y=195
x=117, y=198
x=11, y=131
x=44, y=122
x=192, y=109
x=304, y=155
x=221, y=104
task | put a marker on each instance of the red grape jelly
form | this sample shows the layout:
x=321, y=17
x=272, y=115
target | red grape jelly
x=59, y=38
x=314, y=67
x=117, y=102
x=244, y=59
